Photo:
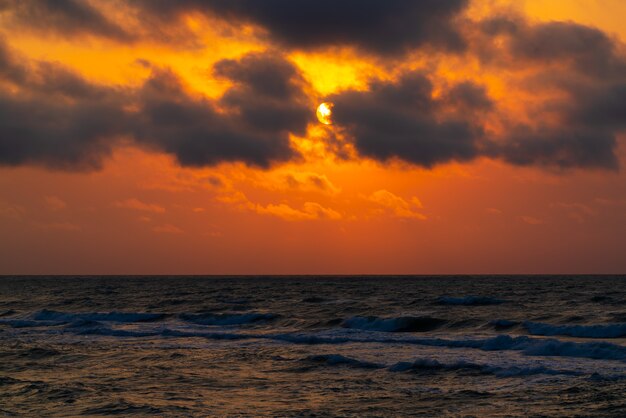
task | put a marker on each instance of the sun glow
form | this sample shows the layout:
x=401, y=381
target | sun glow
x=325, y=113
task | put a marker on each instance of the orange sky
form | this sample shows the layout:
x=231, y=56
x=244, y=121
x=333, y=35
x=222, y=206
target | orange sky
x=143, y=212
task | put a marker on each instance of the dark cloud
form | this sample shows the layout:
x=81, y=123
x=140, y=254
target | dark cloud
x=401, y=120
x=469, y=97
x=562, y=148
x=581, y=48
x=255, y=130
x=602, y=106
x=60, y=120
x=586, y=69
x=380, y=27
x=50, y=115
x=58, y=135
x=268, y=94
x=68, y=17
x=55, y=118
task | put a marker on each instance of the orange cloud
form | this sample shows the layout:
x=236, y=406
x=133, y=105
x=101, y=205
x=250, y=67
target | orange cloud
x=397, y=205
x=55, y=203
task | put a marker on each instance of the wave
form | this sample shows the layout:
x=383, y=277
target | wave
x=469, y=301
x=527, y=345
x=228, y=319
x=122, y=407
x=124, y=317
x=314, y=299
x=28, y=323
x=582, y=331
x=429, y=365
x=499, y=324
x=39, y=353
x=48, y=318
x=110, y=332
x=339, y=360
x=400, y=324
x=426, y=365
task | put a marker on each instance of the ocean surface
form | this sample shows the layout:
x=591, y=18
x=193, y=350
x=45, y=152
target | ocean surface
x=313, y=346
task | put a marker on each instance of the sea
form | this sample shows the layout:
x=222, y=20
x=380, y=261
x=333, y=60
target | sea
x=313, y=346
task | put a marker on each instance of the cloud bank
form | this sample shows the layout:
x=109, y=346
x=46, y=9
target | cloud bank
x=52, y=116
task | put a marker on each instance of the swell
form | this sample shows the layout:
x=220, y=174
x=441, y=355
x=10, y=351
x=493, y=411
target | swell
x=399, y=324
x=581, y=331
x=49, y=318
x=431, y=366
x=524, y=344
x=227, y=319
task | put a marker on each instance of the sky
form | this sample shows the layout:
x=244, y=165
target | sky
x=180, y=137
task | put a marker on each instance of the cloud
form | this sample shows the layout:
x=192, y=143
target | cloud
x=531, y=220
x=308, y=181
x=310, y=211
x=401, y=120
x=381, y=27
x=10, y=211
x=254, y=129
x=577, y=127
x=573, y=123
x=136, y=204
x=560, y=147
x=397, y=205
x=54, y=117
x=579, y=212
x=55, y=202
x=585, y=49
x=66, y=17
x=60, y=120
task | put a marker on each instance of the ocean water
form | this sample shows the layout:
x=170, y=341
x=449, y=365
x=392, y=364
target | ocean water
x=313, y=346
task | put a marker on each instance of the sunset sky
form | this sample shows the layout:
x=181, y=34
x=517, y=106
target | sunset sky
x=180, y=137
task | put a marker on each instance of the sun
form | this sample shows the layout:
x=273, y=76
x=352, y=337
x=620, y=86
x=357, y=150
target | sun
x=325, y=113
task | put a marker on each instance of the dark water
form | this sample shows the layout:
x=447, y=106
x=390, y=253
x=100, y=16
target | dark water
x=313, y=346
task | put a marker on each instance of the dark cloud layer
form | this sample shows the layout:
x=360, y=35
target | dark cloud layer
x=52, y=116
x=382, y=27
x=68, y=17
x=60, y=120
